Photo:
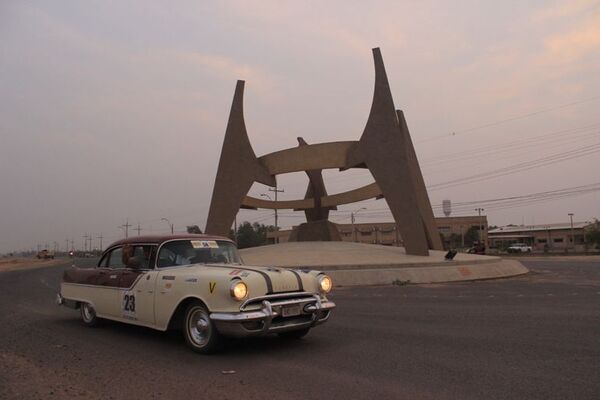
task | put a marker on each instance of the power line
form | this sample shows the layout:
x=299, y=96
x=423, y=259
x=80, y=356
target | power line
x=510, y=119
x=541, y=140
x=527, y=165
x=538, y=141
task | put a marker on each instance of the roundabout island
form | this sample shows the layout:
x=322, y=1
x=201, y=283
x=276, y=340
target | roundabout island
x=357, y=264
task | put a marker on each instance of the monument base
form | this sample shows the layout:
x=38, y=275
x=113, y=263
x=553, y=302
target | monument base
x=356, y=264
x=316, y=231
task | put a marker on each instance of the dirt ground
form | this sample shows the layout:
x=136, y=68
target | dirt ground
x=12, y=264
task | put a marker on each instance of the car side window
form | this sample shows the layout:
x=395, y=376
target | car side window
x=166, y=258
x=104, y=261
x=140, y=256
x=116, y=258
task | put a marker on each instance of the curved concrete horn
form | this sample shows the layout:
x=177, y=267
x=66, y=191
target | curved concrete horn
x=238, y=170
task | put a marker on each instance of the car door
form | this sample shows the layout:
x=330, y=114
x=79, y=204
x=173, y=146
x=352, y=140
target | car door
x=137, y=286
x=109, y=276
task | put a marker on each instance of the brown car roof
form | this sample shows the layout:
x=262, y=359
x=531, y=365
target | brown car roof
x=158, y=239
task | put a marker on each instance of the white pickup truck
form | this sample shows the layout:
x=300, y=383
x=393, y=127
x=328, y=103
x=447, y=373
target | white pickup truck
x=519, y=248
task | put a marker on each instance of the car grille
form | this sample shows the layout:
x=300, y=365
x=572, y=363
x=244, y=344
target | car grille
x=278, y=300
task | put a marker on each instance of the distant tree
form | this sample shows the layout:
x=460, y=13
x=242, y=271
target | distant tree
x=193, y=229
x=592, y=236
x=455, y=241
x=492, y=227
x=471, y=236
x=252, y=235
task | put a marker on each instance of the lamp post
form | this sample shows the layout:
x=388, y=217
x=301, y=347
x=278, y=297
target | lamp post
x=572, y=234
x=276, y=219
x=168, y=222
x=276, y=190
x=479, y=210
x=352, y=214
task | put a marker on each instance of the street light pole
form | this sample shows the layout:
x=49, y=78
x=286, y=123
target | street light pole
x=168, y=222
x=276, y=218
x=352, y=214
x=479, y=210
x=276, y=239
x=572, y=234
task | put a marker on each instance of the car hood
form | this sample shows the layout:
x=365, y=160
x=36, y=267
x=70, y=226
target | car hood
x=277, y=280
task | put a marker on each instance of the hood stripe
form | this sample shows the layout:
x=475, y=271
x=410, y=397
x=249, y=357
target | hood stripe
x=265, y=275
x=300, y=286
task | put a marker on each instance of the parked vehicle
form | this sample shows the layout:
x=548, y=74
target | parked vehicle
x=45, y=254
x=197, y=283
x=478, y=248
x=519, y=248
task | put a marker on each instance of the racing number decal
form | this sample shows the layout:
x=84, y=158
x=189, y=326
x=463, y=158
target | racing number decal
x=128, y=304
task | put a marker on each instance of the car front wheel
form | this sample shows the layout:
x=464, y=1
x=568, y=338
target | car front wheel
x=88, y=314
x=198, y=329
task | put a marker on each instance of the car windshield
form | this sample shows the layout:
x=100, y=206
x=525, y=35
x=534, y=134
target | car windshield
x=185, y=252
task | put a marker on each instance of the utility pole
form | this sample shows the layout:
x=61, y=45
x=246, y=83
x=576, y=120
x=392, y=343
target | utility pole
x=479, y=210
x=572, y=234
x=126, y=226
x=276, y=219
x=85, y=242
x=72, y=245
x=352, y=214
x=100, y=237
x=138, y=229
x=67, y=245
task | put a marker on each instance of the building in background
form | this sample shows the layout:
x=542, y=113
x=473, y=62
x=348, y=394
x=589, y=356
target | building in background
x=546, y=237
x=457, y=232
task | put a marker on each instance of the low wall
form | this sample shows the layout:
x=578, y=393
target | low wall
x=425, y=274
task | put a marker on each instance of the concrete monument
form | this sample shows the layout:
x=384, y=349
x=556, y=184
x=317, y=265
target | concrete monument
x=385, y=148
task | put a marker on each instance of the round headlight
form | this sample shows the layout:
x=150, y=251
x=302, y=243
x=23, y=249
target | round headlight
x=325, y=284
x=239, y=290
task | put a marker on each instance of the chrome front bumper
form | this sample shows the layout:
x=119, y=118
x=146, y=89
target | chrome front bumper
x=269, y=318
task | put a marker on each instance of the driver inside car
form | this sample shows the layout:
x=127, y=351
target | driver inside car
x=136, y=257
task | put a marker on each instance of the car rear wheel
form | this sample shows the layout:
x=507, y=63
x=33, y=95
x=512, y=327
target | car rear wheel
x=299, y=334
x=88, y=314
x=198, y=329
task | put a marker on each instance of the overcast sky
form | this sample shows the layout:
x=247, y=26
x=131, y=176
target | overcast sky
x=116, y=110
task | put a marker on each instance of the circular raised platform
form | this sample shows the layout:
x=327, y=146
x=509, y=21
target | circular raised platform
x=369, y=264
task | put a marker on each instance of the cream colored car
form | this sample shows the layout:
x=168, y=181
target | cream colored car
x=197, y=283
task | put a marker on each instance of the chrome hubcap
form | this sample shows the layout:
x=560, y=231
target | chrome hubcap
x=199, y=327
x=88, y=312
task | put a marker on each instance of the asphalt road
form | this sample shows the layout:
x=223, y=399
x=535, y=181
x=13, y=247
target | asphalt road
x=531, y=337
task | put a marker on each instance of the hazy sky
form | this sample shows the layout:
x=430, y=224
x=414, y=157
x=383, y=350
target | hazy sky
x=116, y=110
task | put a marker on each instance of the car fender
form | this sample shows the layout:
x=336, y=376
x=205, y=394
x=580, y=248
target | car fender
x=177, y=287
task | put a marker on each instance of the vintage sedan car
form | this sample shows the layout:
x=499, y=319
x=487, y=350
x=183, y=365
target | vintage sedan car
x=197, y=283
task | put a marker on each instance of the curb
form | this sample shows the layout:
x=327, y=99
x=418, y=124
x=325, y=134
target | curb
x=436, y=274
